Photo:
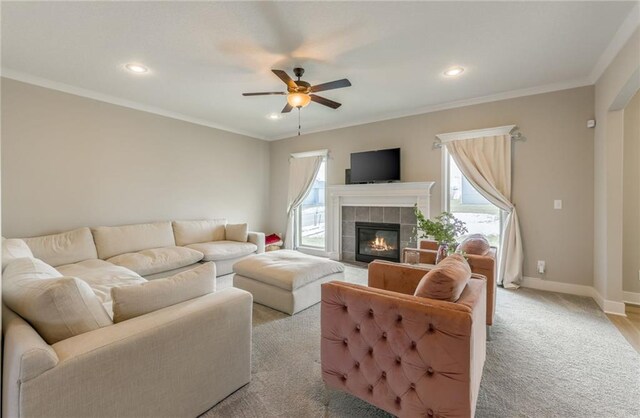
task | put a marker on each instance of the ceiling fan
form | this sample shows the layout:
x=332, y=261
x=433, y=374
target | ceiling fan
x=300, y=93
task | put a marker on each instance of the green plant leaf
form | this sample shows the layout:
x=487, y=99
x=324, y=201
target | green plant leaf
x=444, y=228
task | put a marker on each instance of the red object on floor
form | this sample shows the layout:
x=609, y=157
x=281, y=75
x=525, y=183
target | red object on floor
x=271, y=239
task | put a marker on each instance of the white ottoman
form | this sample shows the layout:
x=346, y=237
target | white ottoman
x=285, y=280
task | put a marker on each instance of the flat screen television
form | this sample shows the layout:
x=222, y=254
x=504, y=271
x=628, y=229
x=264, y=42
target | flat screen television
x=375, y=166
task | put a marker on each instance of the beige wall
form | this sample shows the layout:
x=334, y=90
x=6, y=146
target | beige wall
x=556, y=162
x=613, y=90
x=631, y=197
x=69, y=161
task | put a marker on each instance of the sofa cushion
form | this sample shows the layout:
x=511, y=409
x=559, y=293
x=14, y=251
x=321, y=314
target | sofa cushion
x=475, y=244
x=14, y=248
x=446, y=281
x=157, y=260
x=132, y=301
x=193, y=232
x=57, y=307
x=64, y=248
x=224, y=250
x=236, y=232
x=101, y=276
x=116, y=240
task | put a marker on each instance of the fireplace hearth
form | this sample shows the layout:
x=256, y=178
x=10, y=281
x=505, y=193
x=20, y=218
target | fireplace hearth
x=376, y=240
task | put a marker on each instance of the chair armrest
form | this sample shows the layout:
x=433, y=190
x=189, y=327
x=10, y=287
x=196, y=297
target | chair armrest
x=428, y=244
x=485, y=265
x=424, y=256
x=258, y=239
x=183, y=359
x=396, y=277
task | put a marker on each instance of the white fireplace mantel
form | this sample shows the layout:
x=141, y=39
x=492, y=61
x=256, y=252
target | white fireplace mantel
x=381, y=194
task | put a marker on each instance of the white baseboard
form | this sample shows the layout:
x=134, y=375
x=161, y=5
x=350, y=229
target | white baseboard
x=551, y=286
x=614, y=308
x=608, y=306
x=631, y=297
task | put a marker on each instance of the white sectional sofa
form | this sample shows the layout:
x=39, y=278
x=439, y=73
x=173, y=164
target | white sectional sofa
x=152, y=250
x=175, y=353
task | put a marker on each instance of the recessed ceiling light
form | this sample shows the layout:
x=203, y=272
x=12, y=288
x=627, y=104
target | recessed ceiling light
x=136, y=68
x=454, y=71
x=274, y=116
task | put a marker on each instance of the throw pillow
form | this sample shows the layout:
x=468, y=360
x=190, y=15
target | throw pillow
x=237, y=232
x=132, y=301
x=272, y=239
x=195, y=232
x=14, y=248
x=57, y=307
x=475, y=244
x=446, y=281
x=64, y=248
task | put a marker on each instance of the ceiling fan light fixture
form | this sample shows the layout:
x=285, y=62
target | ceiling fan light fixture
x=136, y=68
x=454, y=71
x=298, y=99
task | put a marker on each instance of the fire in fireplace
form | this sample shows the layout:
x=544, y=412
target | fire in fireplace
x=377, y=241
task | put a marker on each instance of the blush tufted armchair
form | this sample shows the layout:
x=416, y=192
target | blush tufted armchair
x=410, y=356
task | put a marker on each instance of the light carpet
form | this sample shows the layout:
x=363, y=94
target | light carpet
x=551, y=355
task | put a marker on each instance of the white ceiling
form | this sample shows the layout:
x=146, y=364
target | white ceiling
x=202, y=56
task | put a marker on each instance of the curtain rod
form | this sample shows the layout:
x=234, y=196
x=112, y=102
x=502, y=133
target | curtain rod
x=513, y=130
x=317, y=153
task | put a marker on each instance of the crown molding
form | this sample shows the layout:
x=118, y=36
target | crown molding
x=628, y=27
x=91, y=94
x=512, y=94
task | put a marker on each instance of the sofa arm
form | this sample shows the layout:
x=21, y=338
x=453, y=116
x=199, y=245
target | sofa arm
x=26, y=356
x=183, y=359
x=377, y=345
x=258, y=239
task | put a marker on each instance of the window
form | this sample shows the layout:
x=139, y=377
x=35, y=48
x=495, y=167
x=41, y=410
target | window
x=310, y=220
x=466, y=204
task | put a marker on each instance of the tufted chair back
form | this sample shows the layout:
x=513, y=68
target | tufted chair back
x=411, y=356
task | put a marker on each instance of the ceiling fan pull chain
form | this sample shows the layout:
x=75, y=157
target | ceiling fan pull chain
x=298, y=121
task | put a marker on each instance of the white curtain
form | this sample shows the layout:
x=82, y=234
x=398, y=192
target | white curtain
x=486, y=163
x=302, y=174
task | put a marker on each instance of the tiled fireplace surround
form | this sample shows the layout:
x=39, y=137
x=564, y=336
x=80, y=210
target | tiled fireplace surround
x=404, y=216
x=385, y=203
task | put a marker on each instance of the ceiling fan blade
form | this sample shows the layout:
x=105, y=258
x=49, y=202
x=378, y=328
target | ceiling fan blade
x=287, y=108
x=285, y=77
x=326, y=102
x=338, y=84
x=264, y=94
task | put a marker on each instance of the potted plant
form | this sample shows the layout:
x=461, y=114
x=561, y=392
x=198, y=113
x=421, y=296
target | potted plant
x=444, y=229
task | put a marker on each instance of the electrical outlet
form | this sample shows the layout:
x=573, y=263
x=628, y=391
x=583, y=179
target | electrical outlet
x=541, y=266
x=557, y=204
